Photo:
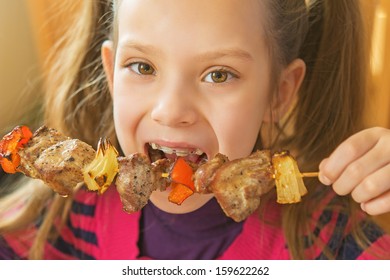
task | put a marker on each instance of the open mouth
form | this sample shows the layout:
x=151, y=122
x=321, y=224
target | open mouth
x=156, y=152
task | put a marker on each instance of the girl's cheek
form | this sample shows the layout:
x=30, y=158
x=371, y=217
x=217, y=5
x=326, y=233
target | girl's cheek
x=124, y=119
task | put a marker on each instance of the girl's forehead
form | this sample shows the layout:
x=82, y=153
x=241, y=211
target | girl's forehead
x=197, y=21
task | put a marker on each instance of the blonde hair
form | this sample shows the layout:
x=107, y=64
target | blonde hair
x=326, y=34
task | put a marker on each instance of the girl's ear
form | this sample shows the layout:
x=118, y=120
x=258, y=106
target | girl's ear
x=107, y=54
x=289, y=84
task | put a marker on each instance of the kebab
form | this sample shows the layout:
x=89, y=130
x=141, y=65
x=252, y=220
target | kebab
x=64, y=163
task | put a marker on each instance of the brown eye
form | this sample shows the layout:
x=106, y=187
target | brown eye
x=219, y=76
x=142, y=68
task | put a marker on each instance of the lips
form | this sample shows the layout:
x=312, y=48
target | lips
x=158, y=151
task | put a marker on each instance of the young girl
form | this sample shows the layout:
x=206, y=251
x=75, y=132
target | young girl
x=218, y=76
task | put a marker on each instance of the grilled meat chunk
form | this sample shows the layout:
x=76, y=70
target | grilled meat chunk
x=60, y=165
x=238, y=184
x=42, y=139
x=204, y=175
x=159, y=168
x=135, y=181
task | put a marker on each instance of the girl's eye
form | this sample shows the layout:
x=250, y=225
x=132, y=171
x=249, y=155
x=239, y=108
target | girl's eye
x=219, y=76
x=142, y=68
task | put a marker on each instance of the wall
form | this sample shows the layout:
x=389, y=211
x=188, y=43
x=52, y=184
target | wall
x=19, y=66
x=377, y=14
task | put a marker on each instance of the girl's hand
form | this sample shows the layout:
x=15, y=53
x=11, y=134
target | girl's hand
x=361, y=166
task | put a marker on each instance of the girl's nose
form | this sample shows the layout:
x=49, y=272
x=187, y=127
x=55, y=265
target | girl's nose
x=174, y=108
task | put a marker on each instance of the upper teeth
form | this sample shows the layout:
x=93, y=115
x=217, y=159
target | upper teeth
x=178, y=152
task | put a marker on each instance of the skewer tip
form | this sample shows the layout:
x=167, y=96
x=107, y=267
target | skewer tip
x=309, y=174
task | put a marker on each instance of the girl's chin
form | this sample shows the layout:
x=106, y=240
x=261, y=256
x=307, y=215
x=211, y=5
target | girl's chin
x=194, y=202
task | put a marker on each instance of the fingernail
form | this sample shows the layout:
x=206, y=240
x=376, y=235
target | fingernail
x=363, y=206
x=325, y=180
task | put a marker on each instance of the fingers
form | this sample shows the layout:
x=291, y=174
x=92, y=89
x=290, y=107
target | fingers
x=360, y=171
x=377, y=206
x=372, y=186
x=350, y=151
x=347, y=152
x=360, y=166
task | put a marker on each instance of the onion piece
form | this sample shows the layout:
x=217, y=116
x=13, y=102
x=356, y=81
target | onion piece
x=288, y=179
x=101, y=172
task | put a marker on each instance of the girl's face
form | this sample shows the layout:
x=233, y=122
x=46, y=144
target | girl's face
x=189, y=75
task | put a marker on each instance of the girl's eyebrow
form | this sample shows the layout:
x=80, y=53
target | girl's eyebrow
x=135, y=45
x=209, y=55
x=228, y=52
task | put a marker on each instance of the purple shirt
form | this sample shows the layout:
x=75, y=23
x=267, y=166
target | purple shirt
x=202, y=234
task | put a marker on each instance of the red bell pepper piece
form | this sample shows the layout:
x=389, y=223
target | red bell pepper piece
x=10, y=145
x=182, y=173
x=179, y=193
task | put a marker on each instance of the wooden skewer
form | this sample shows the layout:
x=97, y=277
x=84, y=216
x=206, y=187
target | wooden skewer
x=304, y=174
x=310, y=174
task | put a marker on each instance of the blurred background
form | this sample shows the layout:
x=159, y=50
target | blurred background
x=19, y=64
x=28, y=28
